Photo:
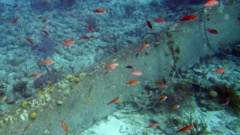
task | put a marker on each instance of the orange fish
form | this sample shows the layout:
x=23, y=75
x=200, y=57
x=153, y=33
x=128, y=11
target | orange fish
x=137, y=73
x=58, y=52
x=46, y=27
x=220, y=70
x=111, y=66
x=163, y=98
x=114, y=100
x=44, y=31
x=225, y=102
x=143, y=47
x=27, y=127
x=84, y=37
x=132, y=82
x=45, y=20
x=64, y=126
x=3, y=98
x=38, y=74
x=187, y=18
x=161, y=84
x=211, y=3
x=186, y=128
x=152, y=125
x=149, y=24
x=90, y=28
x=16, y=20
x=17, y=6
x=69, y=42
x=99, y=10
x=174, y=107
x=46, y=62
x=29, y=40
x=159, y=20
x=212, y=31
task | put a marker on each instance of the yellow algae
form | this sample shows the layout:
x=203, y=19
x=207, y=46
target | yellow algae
x=25, y=104
x=33, y=115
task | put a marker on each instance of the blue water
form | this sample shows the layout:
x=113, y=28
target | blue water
x=71, y=35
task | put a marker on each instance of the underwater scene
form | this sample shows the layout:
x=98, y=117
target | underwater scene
x=120, y=67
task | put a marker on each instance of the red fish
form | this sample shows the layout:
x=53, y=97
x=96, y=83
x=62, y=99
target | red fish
x=99, y=10
x=38, y=74
x=149, y=24
x=111, y=66
x=44, y=31
x=17, y=6
x=58, y=52
x=84, y=37
x=174, y=107
x=210, y=3
x=152, y=125
x=3, y=98
x=132, y=82
x=68, y=42
x=159, y=20
x=90, y=28
x=137, y=73
x=186, y=128
x=45, y=20
x=225, y=102
x=114, y=100
x=219, y=70
x=143, y=47
x=212, y=31
x=46, y=62
x=64, y=126
x=16, y=21
x=187, y=18
x=29, y=40
x=163, y=98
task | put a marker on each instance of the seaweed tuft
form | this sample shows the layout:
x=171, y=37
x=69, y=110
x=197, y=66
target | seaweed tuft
x=229, y=94
x=20, y=87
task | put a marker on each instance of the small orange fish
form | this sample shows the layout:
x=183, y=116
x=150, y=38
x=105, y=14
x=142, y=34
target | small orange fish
x=29, y=40
x=46, y=62
x=225, y=101
x=44, y=31
x=16, y=21
x=220, y=70
x=211, y=3
x=99, y=10
x=69, y=42
x=45, y=20
x=174, y=107
x=17, y=6
x=84, y=37
x=27, y=127
x=149, y=24
x=3, y=98
x=161, y=84
x=46, y=27
x=137, y=73
x=64, y=126
x=38, y=74
x=132, y=82
x=58, y=52
x=187, y=18
x=90, y=28
x=159, y=20
x=111, y=66
x=153, y=125
x=163, y=98
x=114, y=100
x=143, y=47
x=186, y=128
x=212, y=31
